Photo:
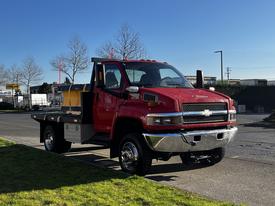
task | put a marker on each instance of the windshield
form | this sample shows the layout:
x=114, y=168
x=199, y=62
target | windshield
x=148, y=74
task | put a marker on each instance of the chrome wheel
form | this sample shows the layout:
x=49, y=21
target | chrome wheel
x=49, y=141
x=134, y=156
x=129, y=156
x=54, y=141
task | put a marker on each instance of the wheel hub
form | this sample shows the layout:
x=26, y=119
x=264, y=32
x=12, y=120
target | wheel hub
x=49, y=141
x=129, y=156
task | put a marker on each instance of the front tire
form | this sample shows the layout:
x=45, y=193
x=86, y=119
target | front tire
x=186, y=158
x=210, y=157
x=53, y=142
x=134, y=156
x=215, y=156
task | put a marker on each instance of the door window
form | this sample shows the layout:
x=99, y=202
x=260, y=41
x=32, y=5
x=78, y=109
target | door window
x=112, y=77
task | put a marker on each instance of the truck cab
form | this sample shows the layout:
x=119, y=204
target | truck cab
x=143, y=110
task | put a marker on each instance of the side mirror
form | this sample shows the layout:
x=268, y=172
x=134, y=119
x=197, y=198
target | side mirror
x=100, y=76
x=200, y=79
x=132, y=89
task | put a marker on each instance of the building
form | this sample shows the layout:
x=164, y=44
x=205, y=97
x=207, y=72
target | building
x=234, y=82
x=271, y=83
x=207, y=80
x=4, y=91
x=253, y=82
x=53, y=92
x=5, y=95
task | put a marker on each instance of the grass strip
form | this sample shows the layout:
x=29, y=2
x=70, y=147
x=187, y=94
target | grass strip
x=30, y=176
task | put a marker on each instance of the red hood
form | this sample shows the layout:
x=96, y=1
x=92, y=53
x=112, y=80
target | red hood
x=187, y=95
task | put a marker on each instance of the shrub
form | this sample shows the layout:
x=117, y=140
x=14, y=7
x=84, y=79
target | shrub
x=5, y=106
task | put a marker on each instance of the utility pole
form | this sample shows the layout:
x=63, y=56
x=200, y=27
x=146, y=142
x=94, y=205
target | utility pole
x=17, y=82
x=228, y=70
x=220, y=51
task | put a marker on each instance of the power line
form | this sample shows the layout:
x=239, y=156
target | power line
x=255, y=68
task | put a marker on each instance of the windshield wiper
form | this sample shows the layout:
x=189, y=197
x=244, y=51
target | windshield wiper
x=144, y=85
x=175, y=84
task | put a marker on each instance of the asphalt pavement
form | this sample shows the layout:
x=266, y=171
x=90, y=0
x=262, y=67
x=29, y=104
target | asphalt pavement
x=246, y=175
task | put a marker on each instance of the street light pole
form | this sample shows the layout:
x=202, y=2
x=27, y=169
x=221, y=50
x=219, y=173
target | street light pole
x=221, y=64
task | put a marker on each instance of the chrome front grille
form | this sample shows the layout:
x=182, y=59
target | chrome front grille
x=202, y=107
x=204, y=113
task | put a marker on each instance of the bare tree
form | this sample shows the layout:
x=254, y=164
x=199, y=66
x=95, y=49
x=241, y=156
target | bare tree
x=15, y=74
x=31, y=74
x=74, y=62
x=126, y=45
x=107, y=51
x=3, y=75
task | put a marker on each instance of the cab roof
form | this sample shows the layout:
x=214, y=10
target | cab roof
x=96, y=60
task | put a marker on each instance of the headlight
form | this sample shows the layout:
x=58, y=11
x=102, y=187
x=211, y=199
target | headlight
x=232, y=116
x=165, y=119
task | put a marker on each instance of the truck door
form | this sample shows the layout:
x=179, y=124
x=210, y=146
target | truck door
x=106, y=98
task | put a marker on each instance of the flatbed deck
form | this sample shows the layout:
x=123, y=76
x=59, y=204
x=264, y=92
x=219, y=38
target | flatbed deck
x=58, y=116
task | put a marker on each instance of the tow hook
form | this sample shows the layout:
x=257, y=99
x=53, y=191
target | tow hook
x=193, y=143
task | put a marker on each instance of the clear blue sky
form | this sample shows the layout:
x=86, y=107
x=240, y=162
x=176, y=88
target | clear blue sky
x=183, y=33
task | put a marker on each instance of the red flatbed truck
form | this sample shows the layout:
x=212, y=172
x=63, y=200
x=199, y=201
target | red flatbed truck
x=143, y=110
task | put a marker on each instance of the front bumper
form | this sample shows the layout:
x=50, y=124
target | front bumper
x=190, y=141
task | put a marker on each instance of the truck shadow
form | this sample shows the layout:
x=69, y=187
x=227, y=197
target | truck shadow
x=162, y=178
x=161, y=172
x=157, y=168
x=23, y=168
x=95, y=159
x=175, y=167
x=81, y=149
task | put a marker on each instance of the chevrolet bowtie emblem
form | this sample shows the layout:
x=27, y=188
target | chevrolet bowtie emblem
x=207, y=112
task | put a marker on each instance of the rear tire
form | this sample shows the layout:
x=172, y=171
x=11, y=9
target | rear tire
x=53, y=142
x=134, y=155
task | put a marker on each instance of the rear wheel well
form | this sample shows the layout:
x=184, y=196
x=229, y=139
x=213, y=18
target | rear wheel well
x=122, y=127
